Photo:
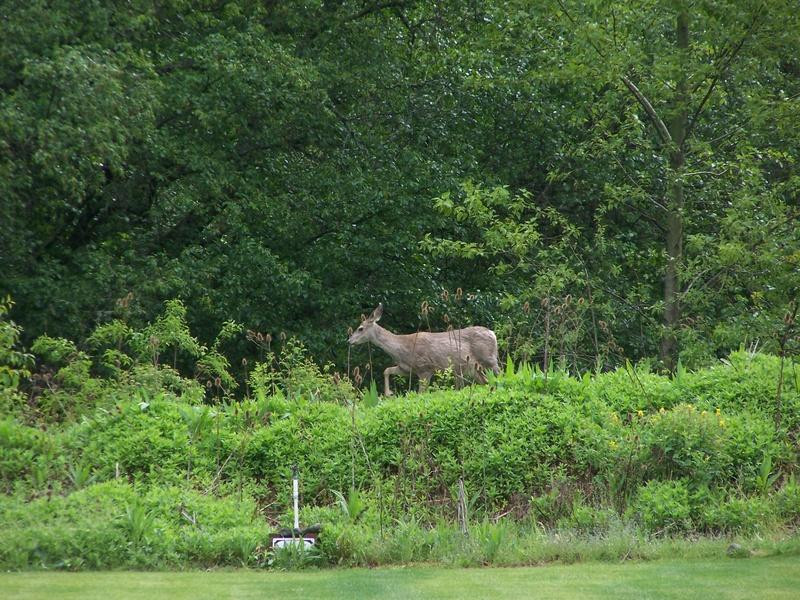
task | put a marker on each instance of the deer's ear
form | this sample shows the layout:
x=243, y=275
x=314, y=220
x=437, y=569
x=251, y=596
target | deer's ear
x=376, y=314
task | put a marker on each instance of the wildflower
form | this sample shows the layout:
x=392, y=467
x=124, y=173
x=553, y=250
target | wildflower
x=661, y=410
x=722, y=423
x=716, y=412
x=612, y=444
x=639, y=413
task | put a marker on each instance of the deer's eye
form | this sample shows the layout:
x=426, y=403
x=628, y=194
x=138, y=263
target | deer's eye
x=360, y=328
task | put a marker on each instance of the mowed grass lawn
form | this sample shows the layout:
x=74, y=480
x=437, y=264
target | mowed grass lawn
x=761, y=578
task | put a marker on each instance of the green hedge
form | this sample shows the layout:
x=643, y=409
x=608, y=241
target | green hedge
x=700, y=452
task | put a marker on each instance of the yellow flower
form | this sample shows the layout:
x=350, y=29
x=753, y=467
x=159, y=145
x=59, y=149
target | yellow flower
x=639, y=413
x=716, y=411
x=722, y=422
x=661, y=410
x=704, y=413
x=612, y=444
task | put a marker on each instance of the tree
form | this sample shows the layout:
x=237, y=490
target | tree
x=654, y=89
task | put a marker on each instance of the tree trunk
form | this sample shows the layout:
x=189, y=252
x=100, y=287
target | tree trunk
x=674, y=229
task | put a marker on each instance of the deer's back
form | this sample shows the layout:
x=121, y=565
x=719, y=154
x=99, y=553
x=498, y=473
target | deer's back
x=440, y=350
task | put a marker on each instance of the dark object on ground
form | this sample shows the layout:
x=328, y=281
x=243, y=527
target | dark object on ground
x=286, y=532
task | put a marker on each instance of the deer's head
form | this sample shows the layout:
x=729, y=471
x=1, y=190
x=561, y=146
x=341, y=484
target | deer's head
x=364, y=331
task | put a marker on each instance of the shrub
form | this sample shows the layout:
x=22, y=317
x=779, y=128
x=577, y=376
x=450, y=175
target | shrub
x=296, y=375
x=20, y=449
x=314, y=436
x=552, y=507
x=706, y=448
x=587, y=520
x=735, y=515
x=114, y=524
x=745, y=382
x=629, y=389
x=14, y=364
x=685, y=442
x=663, y=506
x=146, y=441
x=578, y=456
x=787, y=502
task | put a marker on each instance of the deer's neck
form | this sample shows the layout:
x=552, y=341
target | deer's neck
x=396, y=346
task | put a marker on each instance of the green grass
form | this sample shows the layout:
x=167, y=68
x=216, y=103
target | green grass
x=763, y=578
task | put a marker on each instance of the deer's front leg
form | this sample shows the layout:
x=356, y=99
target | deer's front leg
x=390, y=371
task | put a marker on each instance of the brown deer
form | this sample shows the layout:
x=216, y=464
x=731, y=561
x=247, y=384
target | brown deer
x=469, y=351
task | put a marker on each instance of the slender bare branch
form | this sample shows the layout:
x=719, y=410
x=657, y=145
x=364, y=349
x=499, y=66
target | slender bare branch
x=663, y=132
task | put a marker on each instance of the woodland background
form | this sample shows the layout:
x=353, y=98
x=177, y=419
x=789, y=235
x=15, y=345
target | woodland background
x=598, y=181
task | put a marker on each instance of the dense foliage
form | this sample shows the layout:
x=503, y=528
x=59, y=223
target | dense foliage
x=602, y=180
x=115, y=459
x=205, y=195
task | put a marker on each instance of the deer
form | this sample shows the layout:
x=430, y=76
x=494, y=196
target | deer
x=470, y=351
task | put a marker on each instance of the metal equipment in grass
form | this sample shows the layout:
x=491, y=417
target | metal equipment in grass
x=295, y=537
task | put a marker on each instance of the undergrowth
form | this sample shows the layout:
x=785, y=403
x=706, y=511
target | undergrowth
x=112, y=456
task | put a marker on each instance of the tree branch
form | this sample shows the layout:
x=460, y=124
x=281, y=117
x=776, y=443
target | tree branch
x=663, y=132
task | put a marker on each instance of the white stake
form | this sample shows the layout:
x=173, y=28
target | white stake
x=295, y=497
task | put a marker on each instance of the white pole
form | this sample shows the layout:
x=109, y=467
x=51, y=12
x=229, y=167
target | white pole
x=295, y=497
